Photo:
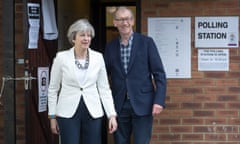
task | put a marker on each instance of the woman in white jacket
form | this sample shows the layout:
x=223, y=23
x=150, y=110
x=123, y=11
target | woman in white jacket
x=79, y=90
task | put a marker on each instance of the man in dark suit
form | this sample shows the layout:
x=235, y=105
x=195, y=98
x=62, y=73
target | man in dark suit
x=137, y=79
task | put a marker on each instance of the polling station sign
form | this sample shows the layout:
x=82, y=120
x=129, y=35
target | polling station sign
x=216, y=32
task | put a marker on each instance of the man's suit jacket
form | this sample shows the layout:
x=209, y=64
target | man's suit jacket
x=65, y=91
x=144, y=66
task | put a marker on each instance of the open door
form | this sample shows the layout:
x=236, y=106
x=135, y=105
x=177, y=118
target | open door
x=103, y=21
x=40, y=55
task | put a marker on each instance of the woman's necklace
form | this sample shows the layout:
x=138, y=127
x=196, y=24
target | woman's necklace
x=79, y=65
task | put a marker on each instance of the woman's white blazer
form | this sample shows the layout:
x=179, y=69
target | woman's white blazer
x=65, y=91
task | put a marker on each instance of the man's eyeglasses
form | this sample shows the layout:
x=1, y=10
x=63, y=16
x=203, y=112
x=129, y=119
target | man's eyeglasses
x=127, y=19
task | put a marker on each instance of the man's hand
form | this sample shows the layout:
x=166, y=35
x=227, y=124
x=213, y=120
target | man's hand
x=157, y=109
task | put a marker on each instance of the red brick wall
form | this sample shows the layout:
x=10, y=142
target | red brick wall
x=19, y=49
x=205, y=108
x=20, y=41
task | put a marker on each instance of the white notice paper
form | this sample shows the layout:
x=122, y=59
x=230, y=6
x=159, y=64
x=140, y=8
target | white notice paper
x=172, y=36
x=43, y=79
x=213, y=59
x=34, y=24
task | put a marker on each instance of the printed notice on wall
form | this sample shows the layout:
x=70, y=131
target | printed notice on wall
x=213, y=59
x=43, y=79
x=216, y=32
x=34, y=24
x=172, y=36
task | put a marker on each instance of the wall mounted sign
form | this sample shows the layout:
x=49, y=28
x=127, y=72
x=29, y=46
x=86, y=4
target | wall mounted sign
x=213, y=59
x=34, y=24
x=172, y=36
x=43, y=80
x=216, y=32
